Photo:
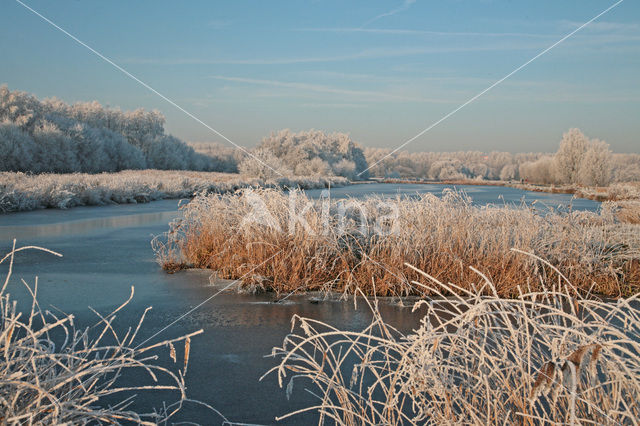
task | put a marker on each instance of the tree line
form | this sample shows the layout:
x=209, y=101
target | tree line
x=51, y=136
x=579, y=160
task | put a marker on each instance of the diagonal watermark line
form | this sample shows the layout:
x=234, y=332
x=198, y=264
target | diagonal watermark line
x=133, y=77
x=225, y=288
x=491, y=87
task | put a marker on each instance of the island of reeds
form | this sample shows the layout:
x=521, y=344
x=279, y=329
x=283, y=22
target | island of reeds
x=286, y=242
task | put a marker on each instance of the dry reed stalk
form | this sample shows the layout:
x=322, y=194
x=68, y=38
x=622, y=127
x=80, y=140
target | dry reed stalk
x=232, y=233
x=544, y=357
x=54, y=373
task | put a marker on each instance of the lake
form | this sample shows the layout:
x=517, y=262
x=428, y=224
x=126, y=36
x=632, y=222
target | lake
x=107, y=250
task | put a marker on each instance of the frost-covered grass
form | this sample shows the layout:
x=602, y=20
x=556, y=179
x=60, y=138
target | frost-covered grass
x=52, y=372
x=544, y=357
x=22, y=192
x=251, y=231
x=615, y=192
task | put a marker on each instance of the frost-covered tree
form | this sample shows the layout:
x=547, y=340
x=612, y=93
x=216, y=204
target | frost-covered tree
x=17, y=148
x=509, y=172
x=595, y=169
x=296, y=149
x=568, y=159
x=346, y=168
x=446, y=169
x=430, y=165
x=539, y=171
x=626, y=167
x=117, y=148
x=264, y=165
x=56, y=150
x=318, y=167
x=87, y=137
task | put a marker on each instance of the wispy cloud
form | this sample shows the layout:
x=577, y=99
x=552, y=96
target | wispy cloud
x=400, y=31
x=604, y=26
x=566, y=95
x=406, y=4
x=366, y=95
x=376, y=53
x=321, y=105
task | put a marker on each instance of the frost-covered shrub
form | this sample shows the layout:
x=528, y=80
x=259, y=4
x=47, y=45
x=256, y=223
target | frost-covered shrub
x=312, y=151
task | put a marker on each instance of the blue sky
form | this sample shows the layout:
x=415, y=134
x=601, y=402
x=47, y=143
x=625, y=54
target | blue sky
x=379, y=70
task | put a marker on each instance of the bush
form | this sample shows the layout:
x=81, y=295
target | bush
x=311, y=152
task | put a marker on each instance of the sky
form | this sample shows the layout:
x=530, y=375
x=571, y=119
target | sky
x=382, y=71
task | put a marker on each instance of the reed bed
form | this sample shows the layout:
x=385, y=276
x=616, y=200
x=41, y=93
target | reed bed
x=341, y=246
x=543, y=357
x=54, y=373
x=23, y=192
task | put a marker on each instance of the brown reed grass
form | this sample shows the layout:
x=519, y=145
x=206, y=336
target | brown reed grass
x=543, y=357
x=629, y=211
x=236, y=233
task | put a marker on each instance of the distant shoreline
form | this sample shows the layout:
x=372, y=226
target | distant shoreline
x=609, y=193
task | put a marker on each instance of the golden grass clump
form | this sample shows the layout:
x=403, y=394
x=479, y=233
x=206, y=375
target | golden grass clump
x=629, y=211
x=54, y=373
x=343, y=245
x=543, y=357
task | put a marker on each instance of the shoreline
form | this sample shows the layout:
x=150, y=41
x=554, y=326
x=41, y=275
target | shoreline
x=24, y=192
x=609, y=193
